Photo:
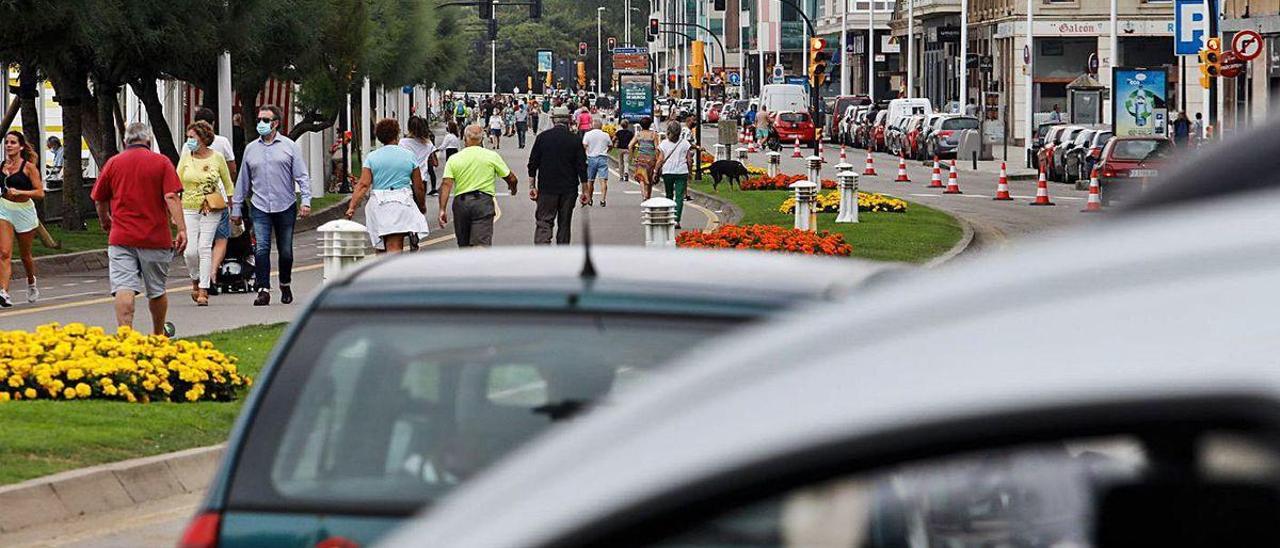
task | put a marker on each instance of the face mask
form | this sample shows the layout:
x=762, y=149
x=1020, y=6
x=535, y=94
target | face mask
x=264, y=128
x=191, y=145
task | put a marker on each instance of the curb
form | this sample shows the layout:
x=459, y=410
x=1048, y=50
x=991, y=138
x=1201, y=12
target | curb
x=729, y=212
x=96, y=259
x=965, y=243
x=106, y=487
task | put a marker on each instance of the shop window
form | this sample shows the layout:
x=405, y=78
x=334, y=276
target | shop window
x=1051, y=48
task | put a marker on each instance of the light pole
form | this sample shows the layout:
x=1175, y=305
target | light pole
x=844, y=47
x=871, y=50
x=599, y=51
x=1029, y=55
x=911, y=47
x=626, y=24
x=964, y=54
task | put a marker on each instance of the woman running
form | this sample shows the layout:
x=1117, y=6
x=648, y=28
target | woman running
x=21, y=184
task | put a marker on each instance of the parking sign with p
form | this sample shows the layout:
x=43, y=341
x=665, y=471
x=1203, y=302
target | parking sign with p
x=1190, y=24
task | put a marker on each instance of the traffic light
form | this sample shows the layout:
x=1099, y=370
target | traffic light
x=493, y=30
x=613, y=43
x=653, y=29
x=1210, y=61
x=529, y=87
x=535, y=9
x=582, y=49
x=817, y=61
x=486, y=9
x=582, y=74
x=697, y=68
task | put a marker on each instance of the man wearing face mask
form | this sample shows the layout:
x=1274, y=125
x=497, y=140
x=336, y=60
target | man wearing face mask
x=271, y=167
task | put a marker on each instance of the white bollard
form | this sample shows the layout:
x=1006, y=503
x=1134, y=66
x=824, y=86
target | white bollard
x=848, y=181
x=343, y=243
x=722, y=152
x=814, y=163
x=742, y=154
x=658, y=215
x=844, y=166
x=806, y=217
x=775, y=163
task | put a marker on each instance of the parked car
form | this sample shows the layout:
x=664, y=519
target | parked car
x=877, y=131
x=1042, y=132
x=1091, y=156
x=912, y=144
x=1130, y=164
x=711, y=113
x=407, y=377
x=894, y=422
x=840, y=108
x=794, y=125
x=1051, y=142
x=864, y=134
x=1074, y=163
x=930, y=126
x=945, y=137
x=849, y=124
x=1066, y=141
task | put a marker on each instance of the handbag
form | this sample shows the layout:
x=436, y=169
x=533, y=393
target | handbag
x=215, y=201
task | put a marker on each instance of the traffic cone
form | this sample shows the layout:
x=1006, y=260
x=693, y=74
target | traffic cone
x=1002, y=187
x=751, y=146
x=796, y=154
x=1042, y=192
x=1094, y=205
x=953, y=183
x=935, y=180
x=902, y=171
x=871, y=165
x=843, y=158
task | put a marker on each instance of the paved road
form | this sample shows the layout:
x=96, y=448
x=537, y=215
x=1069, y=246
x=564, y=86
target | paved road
x=83, y=298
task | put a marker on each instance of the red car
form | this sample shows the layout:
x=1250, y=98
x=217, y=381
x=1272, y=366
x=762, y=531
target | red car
x=878, y=130
x=1129, y=164
x=713, y=113
x=794, y=125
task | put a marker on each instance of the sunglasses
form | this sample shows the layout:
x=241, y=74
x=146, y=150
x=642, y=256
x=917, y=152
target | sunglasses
x=267, y=120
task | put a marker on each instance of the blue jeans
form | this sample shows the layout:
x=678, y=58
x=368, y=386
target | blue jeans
x=282, y=225
x=597, y=168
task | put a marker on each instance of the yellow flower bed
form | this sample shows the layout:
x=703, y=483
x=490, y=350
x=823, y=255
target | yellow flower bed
x=611, y=129
x=829, y=202
x=755, y=171
x=76, y=362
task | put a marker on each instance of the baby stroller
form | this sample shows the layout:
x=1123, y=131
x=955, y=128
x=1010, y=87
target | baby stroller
x=235, y=273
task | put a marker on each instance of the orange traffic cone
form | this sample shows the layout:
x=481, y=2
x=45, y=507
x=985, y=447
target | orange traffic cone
x=1002, y=187
x=751, y=146
x=935, y=180
x=1042, y=192
x=1094, y=205
x=871, y=165
x=953, y=184
x=902, y=171
x=796, y=153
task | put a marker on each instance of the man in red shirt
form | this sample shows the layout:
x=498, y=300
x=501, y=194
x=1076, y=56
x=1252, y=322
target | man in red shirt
x=137, y=198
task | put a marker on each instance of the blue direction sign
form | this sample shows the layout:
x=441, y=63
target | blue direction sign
x=631, y=50
x=735, y=78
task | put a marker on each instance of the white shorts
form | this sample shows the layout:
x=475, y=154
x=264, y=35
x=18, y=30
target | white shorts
x=22, y=215
x=393, y=212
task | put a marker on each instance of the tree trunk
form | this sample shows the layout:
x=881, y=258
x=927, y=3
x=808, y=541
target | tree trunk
x=313, y=121
x=92, y=128
x=10, y=114
x=249, y=110
x=73, y=176
x=27, y=86
x=150, y=96
x=101, y=124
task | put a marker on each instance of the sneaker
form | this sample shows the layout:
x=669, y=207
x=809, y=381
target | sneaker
x=264, y=298
x=33, y=292
x=286, y=295
x=5, y=302
x=170, y=330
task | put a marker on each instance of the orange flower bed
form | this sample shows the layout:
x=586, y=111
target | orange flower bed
x=767, y=238
x=781, y=181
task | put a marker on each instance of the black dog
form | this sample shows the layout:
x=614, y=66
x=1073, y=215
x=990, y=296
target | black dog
x=732, y=170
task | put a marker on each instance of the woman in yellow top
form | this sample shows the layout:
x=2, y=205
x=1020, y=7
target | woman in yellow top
x=206, y=186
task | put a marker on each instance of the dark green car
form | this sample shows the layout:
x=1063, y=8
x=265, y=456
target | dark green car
x=410, y=375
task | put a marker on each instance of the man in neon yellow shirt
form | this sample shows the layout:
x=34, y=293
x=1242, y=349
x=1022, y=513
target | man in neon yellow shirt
x=470, y=176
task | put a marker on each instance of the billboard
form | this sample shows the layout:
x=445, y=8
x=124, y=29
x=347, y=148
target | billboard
x=635, y=93
x=1139, y=105
x=544, y=60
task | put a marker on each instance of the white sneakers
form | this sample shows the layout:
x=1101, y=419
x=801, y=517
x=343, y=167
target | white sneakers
x=5, y=301
x=33, y=292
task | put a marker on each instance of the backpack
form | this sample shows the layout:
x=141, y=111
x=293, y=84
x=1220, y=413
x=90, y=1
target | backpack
x=460, y=110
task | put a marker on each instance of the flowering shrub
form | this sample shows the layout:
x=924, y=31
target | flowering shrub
x=77, y=362
x=829, y=202
x=767, y=238
x=756, y=171
x=611, y=129
x=780, y=181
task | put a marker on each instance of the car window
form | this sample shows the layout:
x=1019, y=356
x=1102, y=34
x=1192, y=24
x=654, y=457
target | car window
x=793, y=117
x=1141, y=149
x=1044, y=495
x=1084, y=137
x=391, y=411
x=1101, y=138
x=959, y=123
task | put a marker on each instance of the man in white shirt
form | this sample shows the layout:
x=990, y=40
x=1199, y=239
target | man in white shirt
x=597, y=144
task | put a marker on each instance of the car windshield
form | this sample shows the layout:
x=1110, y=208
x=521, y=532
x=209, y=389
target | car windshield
x=1084, y=138
x=1043, y=130
x=390, y=411
x=793, y=117
x=960, y=123
x=1141, y=149
x=1101, y=138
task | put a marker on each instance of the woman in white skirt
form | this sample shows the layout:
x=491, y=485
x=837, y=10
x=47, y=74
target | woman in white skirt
x=397, y=197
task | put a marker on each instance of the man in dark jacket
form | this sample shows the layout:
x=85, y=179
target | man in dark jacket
x=557, y=169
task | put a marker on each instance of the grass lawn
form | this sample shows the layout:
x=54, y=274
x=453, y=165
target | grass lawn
x=321, y=202
x=72, y=241
x=916, y=236
x=44, y=437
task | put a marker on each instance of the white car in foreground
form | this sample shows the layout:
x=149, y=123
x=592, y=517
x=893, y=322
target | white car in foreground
x=1118, y=386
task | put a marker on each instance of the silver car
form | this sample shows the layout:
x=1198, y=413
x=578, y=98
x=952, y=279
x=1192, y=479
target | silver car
x=951, y=409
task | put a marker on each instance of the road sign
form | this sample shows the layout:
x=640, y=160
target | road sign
x=630, y=61
x=1093, y=63
x=1190, y=24
x=1232, y=65
x=777, y=74
x=1247, y=45
x=735, y=78
x=643, y=50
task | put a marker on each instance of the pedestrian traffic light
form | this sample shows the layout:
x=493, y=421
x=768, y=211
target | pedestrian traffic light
x=486, y=9
x=697, y=69
x=535, y=9
x=1210, y=62
x=817, y=61
x=653, y=29
x=493, y=30
x=582, y=74
x=582, y=49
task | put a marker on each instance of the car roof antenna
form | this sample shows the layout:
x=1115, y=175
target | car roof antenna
x=588, y=267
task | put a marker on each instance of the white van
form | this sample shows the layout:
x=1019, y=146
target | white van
x=784, y=97
x=901, y=108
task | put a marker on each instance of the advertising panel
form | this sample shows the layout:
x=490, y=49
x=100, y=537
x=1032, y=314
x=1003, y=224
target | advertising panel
x=635, y=92
x=1140, y=103
x=544, y=60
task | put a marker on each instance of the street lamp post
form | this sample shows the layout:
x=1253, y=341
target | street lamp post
x=1029, y=56
x=599, y=51
x=871, y=50
x=964, y=54
x=911, y=47
x=844, y=46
